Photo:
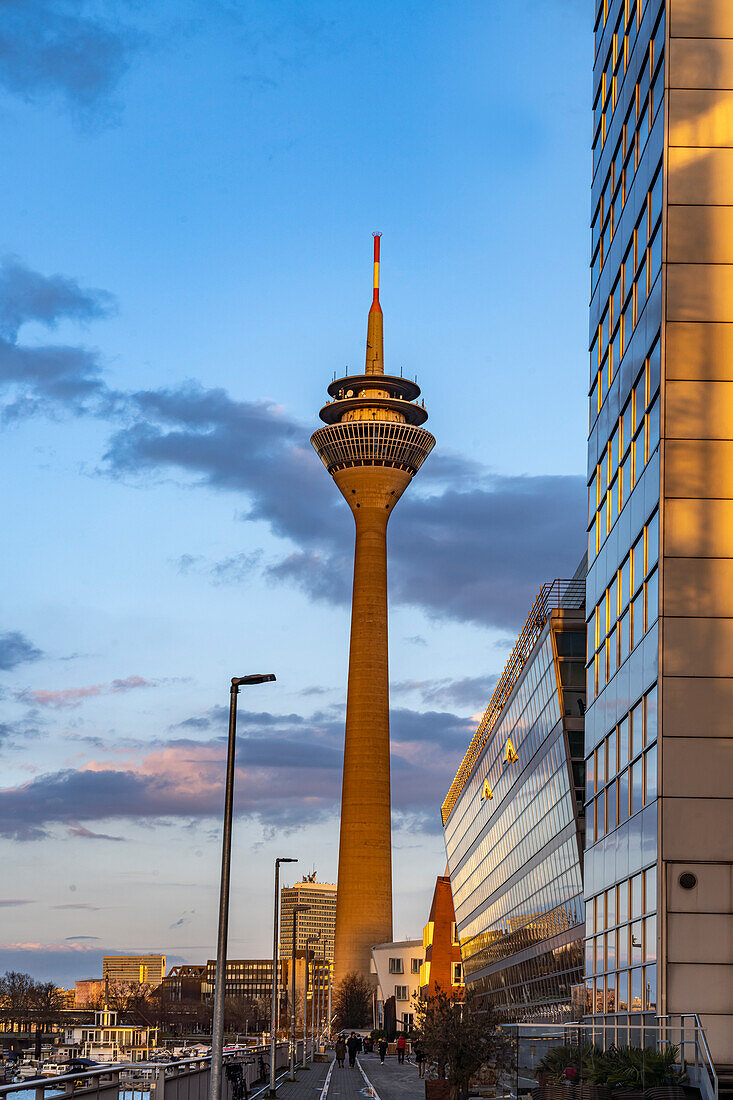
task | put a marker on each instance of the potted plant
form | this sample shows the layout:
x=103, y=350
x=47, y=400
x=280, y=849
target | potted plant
x=458, y=1040
x=561, y=1070
x=635, y=1072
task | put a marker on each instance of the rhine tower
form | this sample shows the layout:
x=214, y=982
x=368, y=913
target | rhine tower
x=372, y=446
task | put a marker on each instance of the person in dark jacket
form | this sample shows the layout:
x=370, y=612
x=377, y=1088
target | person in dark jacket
x=340, y=1051
x=382, y=1050
x=352, y=1044
x=419, y=1053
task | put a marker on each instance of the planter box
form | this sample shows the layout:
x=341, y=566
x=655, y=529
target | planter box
x=438, y=1089
x=594, y=1092
x=666, y=1092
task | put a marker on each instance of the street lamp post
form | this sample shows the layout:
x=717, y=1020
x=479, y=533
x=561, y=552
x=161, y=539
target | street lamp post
x=217, y=1034
x=296, y=910
x=308, y=942
x=275, y=967
x=314, y=1002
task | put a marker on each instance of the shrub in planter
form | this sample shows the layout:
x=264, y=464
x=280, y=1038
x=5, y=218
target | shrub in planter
x=636, y=1069
x=558, y=1060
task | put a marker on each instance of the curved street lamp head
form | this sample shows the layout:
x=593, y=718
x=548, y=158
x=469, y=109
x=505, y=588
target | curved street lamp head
x=285, y=859
x=255, y=678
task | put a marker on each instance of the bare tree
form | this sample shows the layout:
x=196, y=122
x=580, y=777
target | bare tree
x=15, y=994
x=352, y=1004
x=45, y=1006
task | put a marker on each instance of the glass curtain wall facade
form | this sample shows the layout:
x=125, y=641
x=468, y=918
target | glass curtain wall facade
x=659, y=740
x=513, y=822
x=623, y=506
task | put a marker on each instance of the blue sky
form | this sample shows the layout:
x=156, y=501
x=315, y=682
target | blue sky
x=188, y=197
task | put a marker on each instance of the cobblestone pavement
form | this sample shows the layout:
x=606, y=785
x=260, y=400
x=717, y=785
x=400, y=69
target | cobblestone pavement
x=392, y=1081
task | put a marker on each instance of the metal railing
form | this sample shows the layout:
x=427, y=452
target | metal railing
x=185, y=1079
x=604, y=1032
x=372, y=443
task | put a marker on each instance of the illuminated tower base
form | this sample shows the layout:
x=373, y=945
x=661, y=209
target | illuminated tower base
x=372, y=446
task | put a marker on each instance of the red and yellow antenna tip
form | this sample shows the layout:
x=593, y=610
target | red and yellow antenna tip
x=377, y=237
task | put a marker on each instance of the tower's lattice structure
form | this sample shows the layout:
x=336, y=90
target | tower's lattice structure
x=372, y=445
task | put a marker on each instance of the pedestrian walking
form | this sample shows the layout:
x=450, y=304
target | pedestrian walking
x=352, y=1045
x=401, y=1044
x=340, y=1051
x=382, y=1050
x=419, y=1053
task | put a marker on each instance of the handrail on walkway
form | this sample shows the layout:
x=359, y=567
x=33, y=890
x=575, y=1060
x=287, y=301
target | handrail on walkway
x=683, y=1029
x=107, y=1079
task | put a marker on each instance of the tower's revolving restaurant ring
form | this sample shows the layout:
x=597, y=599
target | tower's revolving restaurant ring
x=372, y=443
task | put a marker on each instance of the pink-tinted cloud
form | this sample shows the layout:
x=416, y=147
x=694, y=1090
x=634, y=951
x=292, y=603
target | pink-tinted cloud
x=74, y=697
x=288, y=776
x=80, y=830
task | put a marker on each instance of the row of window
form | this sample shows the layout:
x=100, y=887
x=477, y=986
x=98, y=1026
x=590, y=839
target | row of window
x=526, y=705
x=528, y=722
x=626, y=991
x=628, y=607
x=609, y=87
x=634, y=788
x=618, y=52
x=397, y=966
x=641, y=241
x=628, y=900
x=634, y=733
x=631, y=628
x=629, y=945
x=541, y=927
x=641, y=448
x=526, y=899
x=529, y=833
x=624, y=11
x=544, y=980
x=541, y=789
x=637, y=276
x=629, y=422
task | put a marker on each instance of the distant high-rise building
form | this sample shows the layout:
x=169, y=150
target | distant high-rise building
x=372, y=445
x=320, y=897
x=659, y=738
x=513, y=821
x=134, y=968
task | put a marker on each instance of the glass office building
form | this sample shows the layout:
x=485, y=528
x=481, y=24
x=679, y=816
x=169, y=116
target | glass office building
x=513, y=821
x=659, y=751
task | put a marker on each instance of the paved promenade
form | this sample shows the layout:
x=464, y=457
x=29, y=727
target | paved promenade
x=391, y=1081
x=308, y=1084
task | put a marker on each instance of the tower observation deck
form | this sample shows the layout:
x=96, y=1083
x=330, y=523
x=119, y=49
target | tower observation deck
x=372, y=445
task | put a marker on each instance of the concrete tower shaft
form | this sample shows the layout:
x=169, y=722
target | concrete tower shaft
x=372, y=446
